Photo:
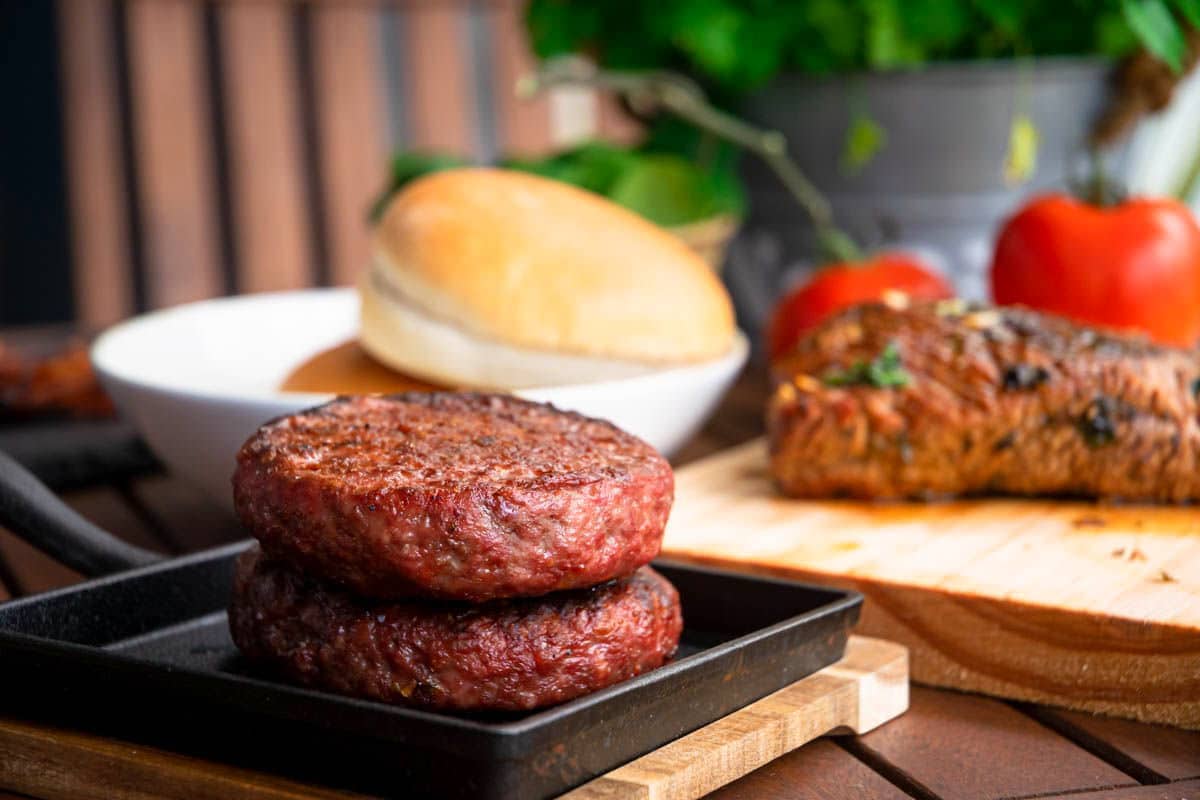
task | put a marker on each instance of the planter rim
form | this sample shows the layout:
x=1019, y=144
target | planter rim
x=995, y=69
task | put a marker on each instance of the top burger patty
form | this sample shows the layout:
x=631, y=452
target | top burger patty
x=458, y=496
x=1003, y=401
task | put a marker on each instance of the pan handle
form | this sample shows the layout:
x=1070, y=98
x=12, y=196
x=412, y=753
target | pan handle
x=37, y=515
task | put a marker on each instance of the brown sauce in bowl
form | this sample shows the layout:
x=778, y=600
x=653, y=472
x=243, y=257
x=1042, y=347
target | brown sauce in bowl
x=347, y=369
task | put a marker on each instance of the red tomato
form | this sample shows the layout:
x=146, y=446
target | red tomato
x=839, y=286
x=1134, y=265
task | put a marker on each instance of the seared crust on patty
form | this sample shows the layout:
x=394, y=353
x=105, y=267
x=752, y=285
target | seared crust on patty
x=453, y=495
x=503, y=655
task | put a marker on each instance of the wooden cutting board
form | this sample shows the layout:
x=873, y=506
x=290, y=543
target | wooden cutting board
x=1081, y=605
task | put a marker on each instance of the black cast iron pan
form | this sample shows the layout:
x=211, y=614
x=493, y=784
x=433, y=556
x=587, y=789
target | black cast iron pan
x=144, y=654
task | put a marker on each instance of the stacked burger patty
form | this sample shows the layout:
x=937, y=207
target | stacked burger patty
x=452, y=551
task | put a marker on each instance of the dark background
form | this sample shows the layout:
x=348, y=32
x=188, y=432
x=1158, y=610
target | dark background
x=35, y=277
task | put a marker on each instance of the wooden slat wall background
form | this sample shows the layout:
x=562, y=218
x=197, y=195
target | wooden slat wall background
x=99, y=225
x=351, y=126
x=221, y=146
x=264, y=131
x=436, y=76
x=172, y=134
x=524, y=124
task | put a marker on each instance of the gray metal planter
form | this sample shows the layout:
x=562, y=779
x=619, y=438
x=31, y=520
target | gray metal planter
x=937, y=186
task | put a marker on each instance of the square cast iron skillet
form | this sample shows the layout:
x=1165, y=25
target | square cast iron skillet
x=145, y=654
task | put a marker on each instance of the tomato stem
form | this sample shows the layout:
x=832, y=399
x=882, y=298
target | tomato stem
x=1098, y=176
x=837, y=246
x=834, y=243
x=1099, y=188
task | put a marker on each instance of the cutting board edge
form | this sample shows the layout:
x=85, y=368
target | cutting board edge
x=934, y=666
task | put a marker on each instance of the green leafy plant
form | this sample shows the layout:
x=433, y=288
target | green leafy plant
x=1158, y=29
x=666, y=188
x=737, y=45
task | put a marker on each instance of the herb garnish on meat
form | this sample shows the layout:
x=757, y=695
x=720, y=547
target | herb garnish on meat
x=885, y=371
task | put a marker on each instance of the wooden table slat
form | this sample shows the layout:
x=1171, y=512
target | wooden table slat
x=973, y=748
x=33, y=571
x=819, y=770
x=1186, y=790
x=194, y=521
x=10, y=581
x=33, y=757
x=1151, y=753
x=106, y=507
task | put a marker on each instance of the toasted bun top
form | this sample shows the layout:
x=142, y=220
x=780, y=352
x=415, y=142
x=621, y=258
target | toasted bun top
x=534, y=263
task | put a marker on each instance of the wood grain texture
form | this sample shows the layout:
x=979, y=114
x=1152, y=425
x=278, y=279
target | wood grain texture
x=351, y=124
x=974, y=748
x=192, y=521
x=524, y=124
x=1070, y=604
x=268, y=191
x=1165, y=754
x=437, y=82
x=101, y=269
x=32, y=572
x=105, y=507
x=1186, y=790
x=173, y=137
x=35, y=572
x=8, y=580
x=818, y=771
x=862, y=691
x=59, y=764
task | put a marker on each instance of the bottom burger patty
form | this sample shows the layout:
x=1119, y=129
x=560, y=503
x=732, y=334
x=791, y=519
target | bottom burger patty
x=502, y=655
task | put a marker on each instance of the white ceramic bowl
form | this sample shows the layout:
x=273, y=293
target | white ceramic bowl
x=197, y=380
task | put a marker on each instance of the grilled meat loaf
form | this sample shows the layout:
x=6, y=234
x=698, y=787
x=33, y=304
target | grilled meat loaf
x=938, y=399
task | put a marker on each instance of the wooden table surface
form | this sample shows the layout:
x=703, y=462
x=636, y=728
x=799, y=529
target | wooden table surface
x=948, y=745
